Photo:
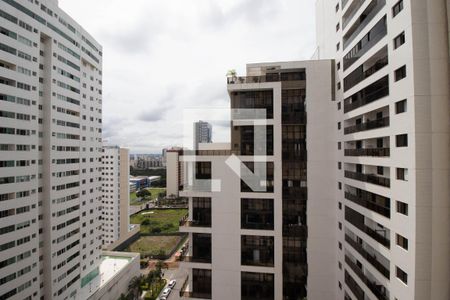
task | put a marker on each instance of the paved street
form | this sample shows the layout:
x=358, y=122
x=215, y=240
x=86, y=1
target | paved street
x=179, y=275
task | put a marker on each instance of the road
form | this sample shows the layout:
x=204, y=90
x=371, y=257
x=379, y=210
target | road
x=136, y=208
x=180, y=276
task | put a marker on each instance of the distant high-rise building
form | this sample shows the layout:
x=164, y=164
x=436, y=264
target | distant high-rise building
x=115, y=194
x=202, y=133
x=174, y=172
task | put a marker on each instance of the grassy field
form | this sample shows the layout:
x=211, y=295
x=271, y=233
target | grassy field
x=159, y=220
x=155, y=192
x=154, y=245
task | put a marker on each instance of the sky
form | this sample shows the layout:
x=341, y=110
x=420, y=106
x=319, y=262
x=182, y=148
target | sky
x=163, y=57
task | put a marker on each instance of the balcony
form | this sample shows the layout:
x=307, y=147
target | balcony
x=371, y=66
x=369, y=201
x=351, y=11
x=251, y=79
x=192, y=259
x=357, y=220
x=354, y=287
x=377, y=289
x=377, y=152
x=372, y=259
x=185, y=222
x=369, y=125
x=185, y=293
x=299, y=75
x=369, y=178
x=371, y=93
x=376, y=34
x=366, y=16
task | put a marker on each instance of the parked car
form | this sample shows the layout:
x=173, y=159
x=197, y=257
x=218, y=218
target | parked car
x=166, y=292
x=172, y=283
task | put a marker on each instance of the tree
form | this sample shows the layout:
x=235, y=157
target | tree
x=143, y=193
x=123, y=297
x=134, y=287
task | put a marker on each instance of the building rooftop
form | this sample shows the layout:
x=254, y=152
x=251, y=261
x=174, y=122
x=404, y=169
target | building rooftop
x=111, y=265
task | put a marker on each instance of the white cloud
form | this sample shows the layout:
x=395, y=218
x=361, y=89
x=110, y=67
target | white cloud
x=161, y=56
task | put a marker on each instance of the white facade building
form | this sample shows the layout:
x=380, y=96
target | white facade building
x=245, y=244
x=116, y=194
x=50, y=153
x=383, y=223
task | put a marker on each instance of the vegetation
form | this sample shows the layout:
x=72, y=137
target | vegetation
x=148, y=193
x=158, y=220
x=153, y=283
x=149, y=172
x=155, y=245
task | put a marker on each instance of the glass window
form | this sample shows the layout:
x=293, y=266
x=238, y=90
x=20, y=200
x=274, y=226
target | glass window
x=399, y=40
x=402, y=208
x=401, y=140
x=400, y=107
x=397, y=8
x=402, y=275
x=400, y=73
x=402, y=242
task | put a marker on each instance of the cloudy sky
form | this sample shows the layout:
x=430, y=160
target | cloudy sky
x=164, y=56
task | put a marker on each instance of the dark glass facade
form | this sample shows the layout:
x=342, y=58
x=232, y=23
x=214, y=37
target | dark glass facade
x=257, y=250
x=257, y=214
x=246, y=137
x=257, y=286
x=201, y=247
x=201, y=283
x=266, y=182
x=201, y=211
x=254, y=100
x=294, y=189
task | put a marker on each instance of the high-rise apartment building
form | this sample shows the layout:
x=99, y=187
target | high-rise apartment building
x=116, y=194
x=357, y=200
x=50, y=152
x=202, y=133
x=247, y=244
x=174, y=172
x=388, y=132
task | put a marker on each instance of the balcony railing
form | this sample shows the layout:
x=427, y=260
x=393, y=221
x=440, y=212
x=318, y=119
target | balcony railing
x=368, y=98
x=369, y=125
x=184, y=293
x=252, y=79
x=354, y=287
x=369, y=257
x=369, y=231
x=379, y=152
x=185, y=222
x=377, y=289
x=350, y=12
x=371, y=11
x=366, y=200
x=192, y=259
x=369, y=178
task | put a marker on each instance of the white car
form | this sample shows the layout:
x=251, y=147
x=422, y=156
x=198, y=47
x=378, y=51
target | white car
x=172, y=283
x=165, y=293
